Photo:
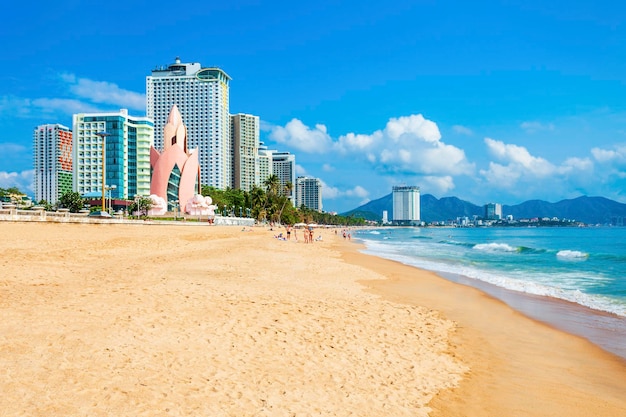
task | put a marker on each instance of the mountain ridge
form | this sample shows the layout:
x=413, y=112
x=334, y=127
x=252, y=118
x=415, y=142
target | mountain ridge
x=590, y=210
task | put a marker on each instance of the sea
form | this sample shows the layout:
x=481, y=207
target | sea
x=572, y=278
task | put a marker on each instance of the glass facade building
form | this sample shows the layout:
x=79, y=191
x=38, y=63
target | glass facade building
x=127, y=154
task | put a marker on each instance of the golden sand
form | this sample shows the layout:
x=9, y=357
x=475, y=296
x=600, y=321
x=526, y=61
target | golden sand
x=176, y=320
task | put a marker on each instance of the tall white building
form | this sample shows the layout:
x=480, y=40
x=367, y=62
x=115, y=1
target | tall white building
x=127, y=154
x=201, y=95
x=406, y=205
x=309, y=193
x=284, y=167
x=245, y=137
x=266, y=165
x=52, y=160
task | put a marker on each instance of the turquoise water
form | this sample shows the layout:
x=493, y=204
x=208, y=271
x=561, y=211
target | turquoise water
x=585, y=266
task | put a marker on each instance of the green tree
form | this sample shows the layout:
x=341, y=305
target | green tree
x=45, y=204
x=71, y=200
x=140, y=206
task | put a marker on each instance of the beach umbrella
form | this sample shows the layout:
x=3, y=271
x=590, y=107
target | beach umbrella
x=312, y=225
x=299, y=225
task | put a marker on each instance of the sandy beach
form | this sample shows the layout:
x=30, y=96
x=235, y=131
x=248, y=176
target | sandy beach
x=172, y=320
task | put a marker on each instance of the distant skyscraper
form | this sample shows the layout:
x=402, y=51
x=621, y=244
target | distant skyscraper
x=406, y=205
x=493, y=211
x=309, y=193
x=201, y=95
x=284, y=166
x=245, y=137
x=52, y=160
x=127, y=165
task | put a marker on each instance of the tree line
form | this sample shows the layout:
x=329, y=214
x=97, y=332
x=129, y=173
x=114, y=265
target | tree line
x=266, y=203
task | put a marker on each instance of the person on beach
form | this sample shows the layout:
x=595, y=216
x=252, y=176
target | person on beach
x=288, y=227
x=305, y=232
x=310, y=234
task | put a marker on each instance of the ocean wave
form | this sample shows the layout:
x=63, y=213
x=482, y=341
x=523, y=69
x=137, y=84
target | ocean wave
x=495, y=247
x=572, y=254
x=596, y=302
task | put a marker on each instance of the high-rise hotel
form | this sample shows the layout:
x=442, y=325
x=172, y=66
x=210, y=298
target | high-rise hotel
x=201, y=95
x=52, y=157
x=127, y=154
x=406, y=205
x=245, y=137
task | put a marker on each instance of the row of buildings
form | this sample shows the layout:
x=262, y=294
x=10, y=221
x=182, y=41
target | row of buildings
x=118, y=144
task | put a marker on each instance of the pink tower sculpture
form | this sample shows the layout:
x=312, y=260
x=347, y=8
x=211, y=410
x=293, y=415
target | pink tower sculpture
x=175, y=171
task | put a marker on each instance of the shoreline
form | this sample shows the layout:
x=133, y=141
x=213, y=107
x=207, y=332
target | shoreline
x=519, y=366
x=126, y=320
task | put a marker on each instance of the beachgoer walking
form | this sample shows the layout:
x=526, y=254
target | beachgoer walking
x=288, y=232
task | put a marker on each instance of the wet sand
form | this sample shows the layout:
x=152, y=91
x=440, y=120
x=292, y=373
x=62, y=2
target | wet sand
x=172, y=320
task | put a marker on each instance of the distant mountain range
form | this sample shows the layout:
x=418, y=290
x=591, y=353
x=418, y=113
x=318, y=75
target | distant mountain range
x=590, y=210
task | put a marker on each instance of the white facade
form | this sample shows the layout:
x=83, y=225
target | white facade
x=309, y=193
x=202, y=97
x=127, y=154
x=52, y=160
x=245, y=138
x=406, y=204
x=284, y=166
x=266, y=165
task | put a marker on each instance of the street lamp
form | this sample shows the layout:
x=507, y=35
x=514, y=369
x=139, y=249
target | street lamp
x=103, y=136
x=109, y=188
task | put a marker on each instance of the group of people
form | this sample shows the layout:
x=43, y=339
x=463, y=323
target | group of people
x=307, y=232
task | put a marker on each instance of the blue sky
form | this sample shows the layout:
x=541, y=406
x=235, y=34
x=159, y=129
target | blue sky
x=488, y=101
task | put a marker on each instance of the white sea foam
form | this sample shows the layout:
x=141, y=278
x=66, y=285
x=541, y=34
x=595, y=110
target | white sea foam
x=572, y=254
x=495, y=247
x=540, y=287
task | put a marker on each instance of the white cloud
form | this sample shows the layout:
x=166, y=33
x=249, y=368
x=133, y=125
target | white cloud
x=408, y=145
x=83, y=96
x=437, y=185
x=21, y=180
x=462, y=130
x=328, y=168
x=534, y=126
x=617, y=155
x=106, y=93
x=299, y=136
x=331, y=193
x=519, y=159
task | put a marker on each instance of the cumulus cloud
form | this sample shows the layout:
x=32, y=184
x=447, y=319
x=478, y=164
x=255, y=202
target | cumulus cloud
x=331, y=193
x=408, y=144
x=519, y=159
x=518, y=172
x=21, y=180
x=613, y=156
x=301, y=137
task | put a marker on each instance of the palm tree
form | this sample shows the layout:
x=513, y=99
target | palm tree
x=271, y=184
x=288, y=188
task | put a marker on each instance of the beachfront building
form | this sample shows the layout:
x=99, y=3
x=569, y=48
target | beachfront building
x=284, y=167
x=406, y=205
x=52, y=161
x=493, y=211
x=202, y=97
x=127, y=154
x=309, y=193
x=265, y=167
x=244, y=130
